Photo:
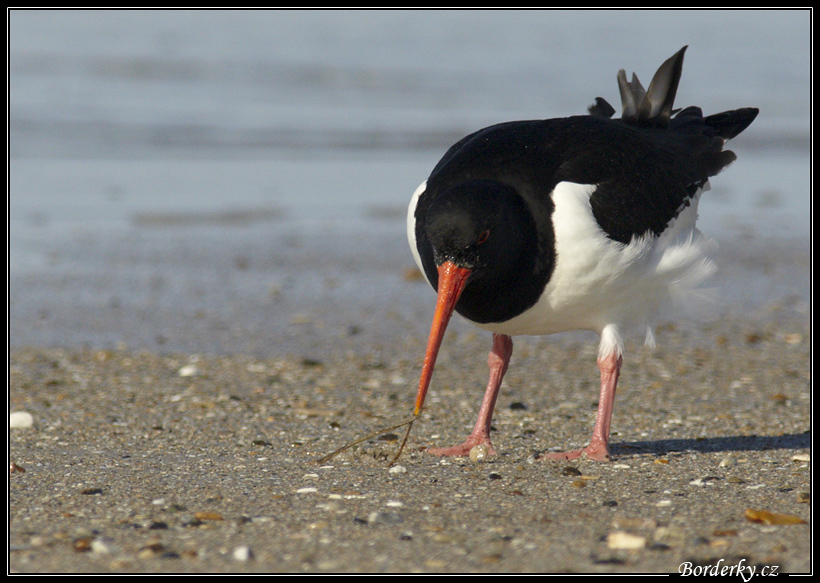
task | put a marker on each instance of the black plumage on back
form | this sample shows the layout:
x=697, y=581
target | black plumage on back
x=696, y=142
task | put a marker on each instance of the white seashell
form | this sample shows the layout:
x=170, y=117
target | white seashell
x=20, y=419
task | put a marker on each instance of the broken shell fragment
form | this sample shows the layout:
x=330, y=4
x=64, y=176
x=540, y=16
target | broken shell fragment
x=479, y=453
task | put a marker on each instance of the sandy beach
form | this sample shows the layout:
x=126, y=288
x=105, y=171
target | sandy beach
x=142, y=462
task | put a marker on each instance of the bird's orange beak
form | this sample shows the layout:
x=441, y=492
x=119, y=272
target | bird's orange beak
x=451, y=280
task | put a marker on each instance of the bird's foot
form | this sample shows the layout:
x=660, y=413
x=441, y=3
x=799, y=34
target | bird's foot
x=597, y=453
x=463, y=450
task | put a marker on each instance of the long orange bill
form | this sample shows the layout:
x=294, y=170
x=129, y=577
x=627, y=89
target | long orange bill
x=451, y=280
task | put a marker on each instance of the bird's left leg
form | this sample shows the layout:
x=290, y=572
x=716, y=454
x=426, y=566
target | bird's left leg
x=598, y=448
x=498, y=361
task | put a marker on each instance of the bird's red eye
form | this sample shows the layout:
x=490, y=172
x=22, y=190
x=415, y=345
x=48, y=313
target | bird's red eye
x=483, y=237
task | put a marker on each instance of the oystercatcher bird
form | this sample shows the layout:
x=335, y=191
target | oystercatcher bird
x=579, y=223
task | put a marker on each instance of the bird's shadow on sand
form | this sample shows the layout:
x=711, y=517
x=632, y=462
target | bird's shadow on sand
x=732, y=443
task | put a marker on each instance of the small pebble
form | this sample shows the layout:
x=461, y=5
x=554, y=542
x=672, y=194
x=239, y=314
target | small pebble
x=672, y=536
x=794, y=338
x=150, y=551
x=100, y=546
x=242, y=553
x=189, y=370
x=82, y=545
x=623, y=540
x=798, y=457
x=20, y=420
x=728, y=462
x=705, y=481
x=397, y=470
x=479, y=453
x=306, y=490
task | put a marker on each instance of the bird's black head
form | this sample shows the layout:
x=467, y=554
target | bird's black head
x=483, y=226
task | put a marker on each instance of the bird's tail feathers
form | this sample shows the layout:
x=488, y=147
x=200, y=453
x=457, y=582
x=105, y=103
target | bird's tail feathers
x=648, y=107
x=654, y=106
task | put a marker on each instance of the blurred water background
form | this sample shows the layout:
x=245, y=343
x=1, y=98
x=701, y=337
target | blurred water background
x=237, y=181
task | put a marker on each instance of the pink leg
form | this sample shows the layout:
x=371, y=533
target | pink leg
x=498, y=360
x=598, y=448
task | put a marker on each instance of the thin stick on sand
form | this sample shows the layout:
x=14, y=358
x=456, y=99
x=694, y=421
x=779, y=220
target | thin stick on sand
x=408, y=422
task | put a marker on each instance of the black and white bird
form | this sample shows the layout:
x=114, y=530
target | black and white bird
x=579, y=223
